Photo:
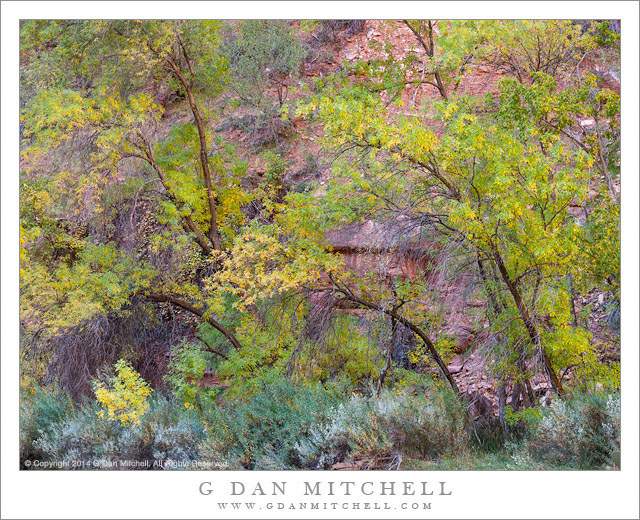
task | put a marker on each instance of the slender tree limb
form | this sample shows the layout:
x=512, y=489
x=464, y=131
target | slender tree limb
x=186, y=59
x=184, y=304
x=188, y=223
x=428, y=166
x=528, y=322
x=428, y=47
x=213, y=233
x=494, y=303
x=210, y=348
x=349, y=295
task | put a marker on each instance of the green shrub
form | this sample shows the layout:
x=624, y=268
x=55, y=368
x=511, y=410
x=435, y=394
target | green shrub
x=287, y=425
x=582, y=432
x=167, y=432
x=387, y=429
x=186, y=370
x=41, y=409
x=262, y=432
x=333, y=440
x=330, y=30
x=84, y=435
x=425, y=426
x=176, y=431
x=263, y=55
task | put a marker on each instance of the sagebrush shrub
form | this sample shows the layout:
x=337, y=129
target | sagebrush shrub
x=583, y=432
x=40, y=410
x=333, y=440
x=86, y=436
x=386, y=427
x=168, y=432
x=425, y=426
x=261, y=432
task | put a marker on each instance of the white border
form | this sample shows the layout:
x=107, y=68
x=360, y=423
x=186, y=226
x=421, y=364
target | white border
x=174, y=495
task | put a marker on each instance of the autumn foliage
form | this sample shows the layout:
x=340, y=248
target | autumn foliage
x=166, y=234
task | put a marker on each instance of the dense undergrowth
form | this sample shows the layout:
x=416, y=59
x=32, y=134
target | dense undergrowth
x=287, y=426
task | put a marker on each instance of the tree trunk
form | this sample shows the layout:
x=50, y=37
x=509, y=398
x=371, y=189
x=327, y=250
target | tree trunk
x=387, y=365
x=516, y=393
x=502, y=403
x=528, y=322
x=213, y=233
x=496, y=307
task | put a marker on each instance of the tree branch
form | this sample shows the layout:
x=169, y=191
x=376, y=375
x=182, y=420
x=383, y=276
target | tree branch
x=188, y=223
x=528, y=321
x=349, y=295
x=213, y=234
x=184, y=304
x=210, y=348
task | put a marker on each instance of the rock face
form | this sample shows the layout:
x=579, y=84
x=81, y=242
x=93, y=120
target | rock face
x=372, y=236
x=403, y=250
x=393, y=249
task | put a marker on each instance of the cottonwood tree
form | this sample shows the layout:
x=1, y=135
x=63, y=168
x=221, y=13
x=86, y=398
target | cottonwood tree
x=499, y=181
x=501, y=176
x=71, y=270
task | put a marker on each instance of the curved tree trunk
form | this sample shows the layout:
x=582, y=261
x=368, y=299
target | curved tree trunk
x=173, y=65
x=213, y=233
x=416, y=330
